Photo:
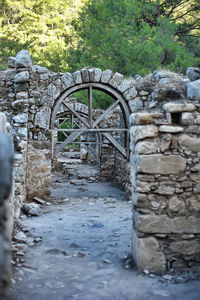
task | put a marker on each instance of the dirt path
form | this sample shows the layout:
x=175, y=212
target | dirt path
x=79, y=248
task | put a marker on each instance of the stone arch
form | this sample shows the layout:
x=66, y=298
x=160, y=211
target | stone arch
x=108, y=82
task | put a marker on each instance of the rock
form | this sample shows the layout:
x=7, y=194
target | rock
x=146, y=147
x=176, y=205
x=97, y=74
x=189, y=143
x=170, y=129
x=141, y=132
x=193, y=90
x=160, y=164
x=135, y=104
x=20, y=237
x=85, y=75
x=20, y=118
x=38, y=200
x=67, y=80
x=141, y=118
x=22, y=77
x=193, y=73
x=147, y=253
x=77, y=77
x=23, y=59
x=165, y=189
x=42, y=117
x=130, y=94
x=167, y=277
x=106, y=75
x=11, y=62
x=165, y=142
x=31, y=209
x=163, y=93
x=164, y=224
x=185, y=247
x=116, y=79
x=124, y=86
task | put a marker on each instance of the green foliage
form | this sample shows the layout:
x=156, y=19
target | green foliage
x=42, y=26
x=131, y=37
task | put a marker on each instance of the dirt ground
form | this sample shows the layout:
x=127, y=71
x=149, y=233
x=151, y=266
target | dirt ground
x=79, y=247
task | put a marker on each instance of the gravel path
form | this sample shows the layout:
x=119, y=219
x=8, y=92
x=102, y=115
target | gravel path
x=79, y=247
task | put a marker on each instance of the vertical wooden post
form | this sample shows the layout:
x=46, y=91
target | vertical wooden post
x=90, y=105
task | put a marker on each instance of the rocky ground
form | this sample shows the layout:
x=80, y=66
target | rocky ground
x=78, y=247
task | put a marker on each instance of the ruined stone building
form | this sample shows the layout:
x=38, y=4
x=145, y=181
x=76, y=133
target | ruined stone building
x=156, y=151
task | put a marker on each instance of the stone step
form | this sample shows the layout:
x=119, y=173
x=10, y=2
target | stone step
x=71, y=155
x=69, y=161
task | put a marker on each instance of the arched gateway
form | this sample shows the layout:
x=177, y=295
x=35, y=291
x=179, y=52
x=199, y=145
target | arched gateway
x=91, y=79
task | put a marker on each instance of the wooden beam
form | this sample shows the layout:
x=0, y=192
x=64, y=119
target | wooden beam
x=90, y=110
x=105, y=113
x=77, y=115
x=115, y=143
x=69, y=140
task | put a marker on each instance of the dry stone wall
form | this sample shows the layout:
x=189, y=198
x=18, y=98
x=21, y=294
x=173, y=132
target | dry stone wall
x=165, y=177
x=164, y=150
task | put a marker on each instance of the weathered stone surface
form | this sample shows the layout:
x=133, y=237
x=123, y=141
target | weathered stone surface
x=67, y=80
x=165, y=189
x=187, y=118
x=193, y=90
x=160, y=164
x=135, y=104
x=185, y=247
x=165, y=142
x=11, y=62
x=85, y=75
x=170, y=129
x=22, y=77
x=2, y=122
x=53, y=91
x=189, y=143
x=20, y=104
x=42, y=117
x=23, y=59
x=77, y=77
x=20, y=118
x=164, y=224
x=147, y=254
x=165, y=93
x=141, y=118
x=141, y=132
x=97, y=74
x=193, y=73
x=124, y=86
x=146, y=147
x=31, y=209
x=106, y=75
x=178, y=107
x=130, y=94
x=116, y=79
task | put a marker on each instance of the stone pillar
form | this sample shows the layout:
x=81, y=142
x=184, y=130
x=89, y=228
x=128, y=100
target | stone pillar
x=166, y=204
x=6, y=158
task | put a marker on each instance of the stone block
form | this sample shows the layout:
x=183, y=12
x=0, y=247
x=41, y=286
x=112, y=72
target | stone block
x=116, y=79
x=23, y=59
x=42, y=118
x=189, y=143
x=11, y=62
x=165, y=189
x=85, y=75
x=141, y=132
x=161, y=164
x=130, y=94
x=67, y=80
x=141, y=118
x=124, y=86
x=165, y=142
x=147, y=254
x=22, y=77
x=193, y=90
x=163, y=224
x=179, y=107
x=106, y=75
x=187, y=118
x=97, y=74
x=171, y=129
x=2, y=122
x=20, y=118
x=77, y=77
x=146, y=147
x=135, y=104
x=193, y=73
x=185, y=247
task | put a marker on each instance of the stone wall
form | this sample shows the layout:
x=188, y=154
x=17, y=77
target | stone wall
x=6, y=207
x=166, y=178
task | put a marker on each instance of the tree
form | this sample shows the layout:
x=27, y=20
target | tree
x=133, y=36
x=43, y=26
